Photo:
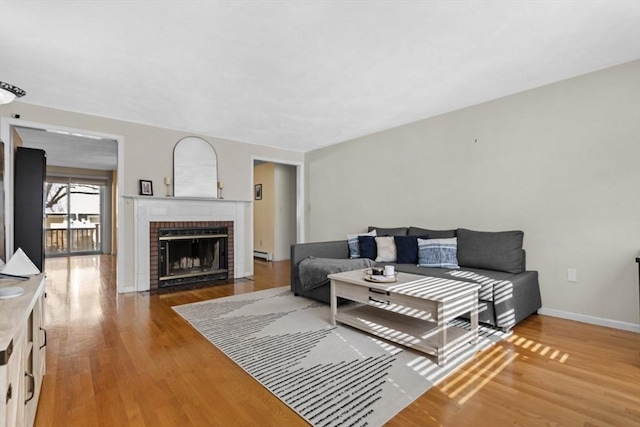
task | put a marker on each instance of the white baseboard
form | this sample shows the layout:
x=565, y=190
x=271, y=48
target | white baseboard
x=616, y=324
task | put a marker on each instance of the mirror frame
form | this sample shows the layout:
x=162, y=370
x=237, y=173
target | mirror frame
x=195, y=169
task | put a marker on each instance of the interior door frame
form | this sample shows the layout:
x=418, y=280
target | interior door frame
x=7, y=125
x=300, y=222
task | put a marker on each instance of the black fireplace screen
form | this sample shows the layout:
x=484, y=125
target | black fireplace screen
x=191, y=255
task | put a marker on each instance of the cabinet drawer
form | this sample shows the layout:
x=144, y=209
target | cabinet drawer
x=413, y=302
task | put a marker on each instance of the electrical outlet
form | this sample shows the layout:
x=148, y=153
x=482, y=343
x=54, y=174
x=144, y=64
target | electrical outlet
x=572, y=275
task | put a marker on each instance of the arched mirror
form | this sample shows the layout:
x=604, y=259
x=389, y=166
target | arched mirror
x=195, y=169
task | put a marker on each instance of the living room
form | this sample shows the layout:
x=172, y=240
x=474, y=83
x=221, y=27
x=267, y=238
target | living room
x=558, y=160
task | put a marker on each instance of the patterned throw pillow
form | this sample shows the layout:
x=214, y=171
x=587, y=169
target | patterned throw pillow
x=386, y=249
x=352, y=240
x=438, y=253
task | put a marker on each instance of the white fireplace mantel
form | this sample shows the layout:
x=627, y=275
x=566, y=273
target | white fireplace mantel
x=151, y=209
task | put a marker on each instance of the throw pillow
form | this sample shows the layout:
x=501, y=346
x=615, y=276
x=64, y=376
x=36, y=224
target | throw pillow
x=386, y=249
x=407, y=248
x=352, y=241
x=491, y=250
x=367, y=247
x=438, y=253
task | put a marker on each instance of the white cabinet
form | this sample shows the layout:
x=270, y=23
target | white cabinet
x=12, y=384
x=22, y=352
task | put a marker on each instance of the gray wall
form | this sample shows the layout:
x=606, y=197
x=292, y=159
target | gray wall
x=561, y=162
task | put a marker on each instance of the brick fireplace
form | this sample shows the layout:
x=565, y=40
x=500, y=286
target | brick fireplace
x=153, y=213
x=154, y=248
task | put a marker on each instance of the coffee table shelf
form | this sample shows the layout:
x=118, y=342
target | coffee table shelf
x=413, y=332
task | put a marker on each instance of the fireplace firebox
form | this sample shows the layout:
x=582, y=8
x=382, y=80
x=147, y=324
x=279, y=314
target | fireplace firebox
x=192, y=255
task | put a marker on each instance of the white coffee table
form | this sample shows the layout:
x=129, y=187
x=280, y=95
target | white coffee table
x=415, y=311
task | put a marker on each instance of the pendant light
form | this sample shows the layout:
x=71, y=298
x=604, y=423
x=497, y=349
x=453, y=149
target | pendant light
x=10, y=92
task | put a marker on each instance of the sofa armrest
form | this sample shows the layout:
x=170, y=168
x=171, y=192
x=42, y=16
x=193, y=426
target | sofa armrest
x=516, y=298
x=338, y=249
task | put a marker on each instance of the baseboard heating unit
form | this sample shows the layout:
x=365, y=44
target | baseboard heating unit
x=268, y=256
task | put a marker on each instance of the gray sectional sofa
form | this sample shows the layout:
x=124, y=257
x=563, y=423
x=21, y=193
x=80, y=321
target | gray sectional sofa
x=496, y=260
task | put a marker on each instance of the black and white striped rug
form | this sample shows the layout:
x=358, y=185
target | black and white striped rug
x=331, y=376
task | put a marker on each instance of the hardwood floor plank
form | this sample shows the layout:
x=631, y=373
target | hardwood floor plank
x=130, y=360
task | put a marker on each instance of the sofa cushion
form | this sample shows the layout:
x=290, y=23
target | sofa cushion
x=367, y=247
x=486, y=278
x=407, y=249
x=437, y=253
x=433, y=234
x=386, y=249
x=398, y=231
x=500, y=250
x=354, y=247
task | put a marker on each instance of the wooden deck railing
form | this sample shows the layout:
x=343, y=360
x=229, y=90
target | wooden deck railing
x=83, y=239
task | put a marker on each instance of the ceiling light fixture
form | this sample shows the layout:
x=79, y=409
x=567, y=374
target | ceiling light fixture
x=9, y=92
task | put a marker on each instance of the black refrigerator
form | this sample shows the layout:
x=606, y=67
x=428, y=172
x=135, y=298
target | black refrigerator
x=30, y=168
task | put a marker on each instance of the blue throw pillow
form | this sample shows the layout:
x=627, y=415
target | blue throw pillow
x=368, y=248
x=407, y=248
x=438, y=253
x=354, y=247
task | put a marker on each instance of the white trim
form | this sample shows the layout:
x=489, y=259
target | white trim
x=6, y=125
x=120, y=252
x=5, y=136
x=584, y=318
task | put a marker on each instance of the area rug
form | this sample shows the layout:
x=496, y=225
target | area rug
x=331, y=376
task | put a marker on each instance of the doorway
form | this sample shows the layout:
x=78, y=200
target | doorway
x=277, y=208
x=83, y=154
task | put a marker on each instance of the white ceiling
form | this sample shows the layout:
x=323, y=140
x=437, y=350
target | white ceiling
x=72, y=151
x=300, y=74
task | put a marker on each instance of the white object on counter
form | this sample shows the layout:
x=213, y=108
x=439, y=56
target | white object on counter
x=20, y=265
x=11, y=292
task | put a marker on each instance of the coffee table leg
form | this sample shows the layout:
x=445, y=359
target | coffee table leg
x=442, y=332
x=474, y=318
x=334, y=303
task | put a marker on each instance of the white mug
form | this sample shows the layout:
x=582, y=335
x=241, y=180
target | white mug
x=389, y=270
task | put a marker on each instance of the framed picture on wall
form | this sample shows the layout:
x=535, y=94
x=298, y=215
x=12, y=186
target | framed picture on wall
x=258, y=192
x=146, y=188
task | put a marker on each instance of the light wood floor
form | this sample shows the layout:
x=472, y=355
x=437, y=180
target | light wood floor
x=129, y=360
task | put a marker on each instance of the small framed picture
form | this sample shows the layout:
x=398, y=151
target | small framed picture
x=146, y=188
x=258, y=191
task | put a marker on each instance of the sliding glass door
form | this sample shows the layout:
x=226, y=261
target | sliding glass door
x=73, y=216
